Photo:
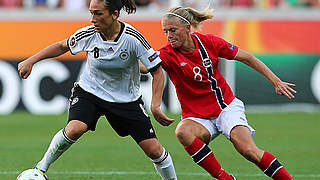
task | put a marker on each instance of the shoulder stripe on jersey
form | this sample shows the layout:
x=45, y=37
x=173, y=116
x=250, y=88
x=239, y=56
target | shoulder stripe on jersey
x=84, y=32
x=84, y=35
x=139, y=36
x=145, y=45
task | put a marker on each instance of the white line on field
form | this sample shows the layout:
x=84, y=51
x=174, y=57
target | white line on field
x=145, y=173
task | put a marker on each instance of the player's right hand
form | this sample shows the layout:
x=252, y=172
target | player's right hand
x=161, y=117
x=25, y=68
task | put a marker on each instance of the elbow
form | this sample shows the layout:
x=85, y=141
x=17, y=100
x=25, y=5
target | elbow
x=156, y=70
x=246, y=59
x=144, y=71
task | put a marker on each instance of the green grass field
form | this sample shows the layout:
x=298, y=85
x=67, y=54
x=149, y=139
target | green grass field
x=292, y=137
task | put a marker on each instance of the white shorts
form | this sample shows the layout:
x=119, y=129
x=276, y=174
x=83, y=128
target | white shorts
x=231, y=116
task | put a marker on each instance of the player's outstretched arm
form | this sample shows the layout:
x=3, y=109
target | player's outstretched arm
x=157, y=92
x=281, y=88
x=53, y=50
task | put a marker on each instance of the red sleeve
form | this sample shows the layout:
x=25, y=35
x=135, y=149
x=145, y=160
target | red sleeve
x=163, y=57
x=226, y=49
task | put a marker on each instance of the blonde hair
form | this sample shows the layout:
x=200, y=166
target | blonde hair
x=190, y=15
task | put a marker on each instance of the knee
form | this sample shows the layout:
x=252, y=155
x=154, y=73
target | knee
x=250, y=153
x=75, y=129
x=151, y=147
x=180, y=133
x=184, y=134
x=154, y=152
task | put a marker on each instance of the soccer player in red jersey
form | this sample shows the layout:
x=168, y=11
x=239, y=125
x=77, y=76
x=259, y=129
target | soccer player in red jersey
x=208, y=105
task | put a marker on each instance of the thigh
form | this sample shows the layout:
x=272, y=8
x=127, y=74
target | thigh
x=83, y=108
x=232, y=116
x=130, y=119
x=243, y=142
x=241, y=137
x=203, y=128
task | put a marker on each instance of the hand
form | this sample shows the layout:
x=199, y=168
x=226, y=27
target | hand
x=284, y=88
x=161, y=117
x=25, y=68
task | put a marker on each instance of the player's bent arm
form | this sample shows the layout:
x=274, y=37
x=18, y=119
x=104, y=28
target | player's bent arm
x=53, y=50
x=257, y=65
x=281, y=88
x=157, y=92
x=157, y=88
x=143, y=69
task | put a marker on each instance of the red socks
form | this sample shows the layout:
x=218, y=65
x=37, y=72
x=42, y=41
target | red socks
x=272, y=168
x=203, y=156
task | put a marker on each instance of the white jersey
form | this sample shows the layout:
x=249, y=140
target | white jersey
x=112, y=68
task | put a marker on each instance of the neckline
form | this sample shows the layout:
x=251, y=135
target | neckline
x=118, y=36
x=196, y=48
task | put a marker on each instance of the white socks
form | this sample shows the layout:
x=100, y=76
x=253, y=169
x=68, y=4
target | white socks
x=59, y=144
x=164, y=166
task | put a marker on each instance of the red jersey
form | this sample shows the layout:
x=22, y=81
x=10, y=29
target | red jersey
x=199, y=95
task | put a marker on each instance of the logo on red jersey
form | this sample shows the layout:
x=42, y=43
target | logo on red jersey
x=207, y=62
x=231, y=47
x=183, y=64
x=153, y=57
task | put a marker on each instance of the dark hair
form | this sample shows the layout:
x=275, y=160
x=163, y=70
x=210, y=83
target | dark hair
x=128, y=6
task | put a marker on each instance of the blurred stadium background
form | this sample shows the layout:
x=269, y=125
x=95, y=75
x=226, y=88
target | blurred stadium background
x=284, y=34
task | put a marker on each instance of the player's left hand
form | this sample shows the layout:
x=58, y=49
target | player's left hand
x=161, y=117
x=285, y=89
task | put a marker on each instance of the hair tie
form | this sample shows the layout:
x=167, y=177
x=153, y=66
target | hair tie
x=177, y=15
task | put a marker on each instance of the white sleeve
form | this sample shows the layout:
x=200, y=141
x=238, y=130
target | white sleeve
x=150, y=59
x=79, y=40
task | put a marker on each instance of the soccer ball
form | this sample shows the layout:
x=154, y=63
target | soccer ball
x=31, y=174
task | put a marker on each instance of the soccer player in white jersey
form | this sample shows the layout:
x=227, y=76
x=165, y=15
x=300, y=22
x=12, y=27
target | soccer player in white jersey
x=110, y=84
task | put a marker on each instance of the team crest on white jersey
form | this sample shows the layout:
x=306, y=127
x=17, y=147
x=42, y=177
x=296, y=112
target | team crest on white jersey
x=124, y=55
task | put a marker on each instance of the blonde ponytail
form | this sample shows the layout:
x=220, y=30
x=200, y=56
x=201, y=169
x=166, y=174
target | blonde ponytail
x=190, y=15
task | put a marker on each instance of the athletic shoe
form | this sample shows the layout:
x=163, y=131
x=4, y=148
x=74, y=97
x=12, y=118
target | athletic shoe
x=43, y=173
